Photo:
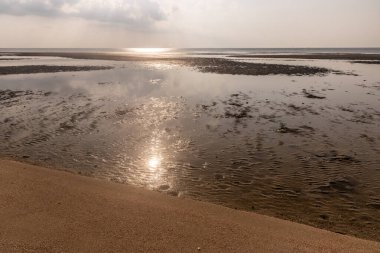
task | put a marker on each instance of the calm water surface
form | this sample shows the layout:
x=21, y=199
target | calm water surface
x=247, y=142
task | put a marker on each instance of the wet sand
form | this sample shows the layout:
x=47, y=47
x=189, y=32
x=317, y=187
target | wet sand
x=13, y=59
x=224, y=66
x=367, y=62
x=206, y=65
x=326, y=56
x=54, y=211
x=33, y=69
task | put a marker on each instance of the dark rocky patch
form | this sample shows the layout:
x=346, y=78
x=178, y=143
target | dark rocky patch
x=317, y=56
x=218, y=177
x=343, y=158
x=9, y=94
x=270, y=117
x=208, y=107
x=237, y=106
x=33, y=69
x=364, y=117
x=66, y=126
x=123, y=111
x=309, y=128
x=334, y=156
x=164, y=187
x=225, y=66
x=367, y=62
x=285, y=130
x=10, y=97
x=367, y=138
x=308, y=94
x=14, y=59
x=374, y=205
x=346, y=109
x=344, y=185
x=104, y=83
x=301, y=109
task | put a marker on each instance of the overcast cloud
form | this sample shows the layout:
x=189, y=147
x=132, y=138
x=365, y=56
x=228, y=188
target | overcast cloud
x=133, y=13
x=189, y=23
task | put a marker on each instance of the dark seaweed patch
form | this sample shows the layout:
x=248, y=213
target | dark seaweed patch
x=308, y=94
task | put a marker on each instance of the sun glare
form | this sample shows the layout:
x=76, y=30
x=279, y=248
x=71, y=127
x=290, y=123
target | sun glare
x=154, y=162
x=149, y=50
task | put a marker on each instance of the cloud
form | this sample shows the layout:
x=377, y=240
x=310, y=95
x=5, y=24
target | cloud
x=133, y=13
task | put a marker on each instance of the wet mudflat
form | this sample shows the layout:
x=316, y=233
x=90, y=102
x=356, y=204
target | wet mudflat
x=33, y=69
x=367, y=62
x=320, y=56
x=304, y=148
x=204, y=64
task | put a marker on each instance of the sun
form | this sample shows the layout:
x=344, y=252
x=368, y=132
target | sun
x=149, y=50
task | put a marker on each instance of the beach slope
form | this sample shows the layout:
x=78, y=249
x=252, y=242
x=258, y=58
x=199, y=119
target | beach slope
x=45, y=210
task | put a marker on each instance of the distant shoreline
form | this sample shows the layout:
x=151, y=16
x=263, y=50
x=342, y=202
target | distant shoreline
x=203, y=64
x=130, y=56
x=317, y=56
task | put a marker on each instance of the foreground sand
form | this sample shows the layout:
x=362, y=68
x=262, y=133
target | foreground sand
x=45, y=210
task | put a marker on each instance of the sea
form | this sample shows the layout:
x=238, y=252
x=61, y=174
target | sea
x=216, y=51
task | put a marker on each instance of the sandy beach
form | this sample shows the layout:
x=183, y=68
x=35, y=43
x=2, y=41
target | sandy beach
x=46, y=210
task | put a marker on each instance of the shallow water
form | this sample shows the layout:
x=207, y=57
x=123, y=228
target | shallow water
x=247, y=142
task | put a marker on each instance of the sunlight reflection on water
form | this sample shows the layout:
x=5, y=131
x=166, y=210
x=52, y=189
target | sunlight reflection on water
x=154, y=162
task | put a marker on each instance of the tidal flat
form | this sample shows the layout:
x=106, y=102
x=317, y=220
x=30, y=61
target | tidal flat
x=295, y=138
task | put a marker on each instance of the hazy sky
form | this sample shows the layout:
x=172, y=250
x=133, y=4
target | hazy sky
x=190, y=23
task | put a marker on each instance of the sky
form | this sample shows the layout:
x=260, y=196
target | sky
x=189, y=23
